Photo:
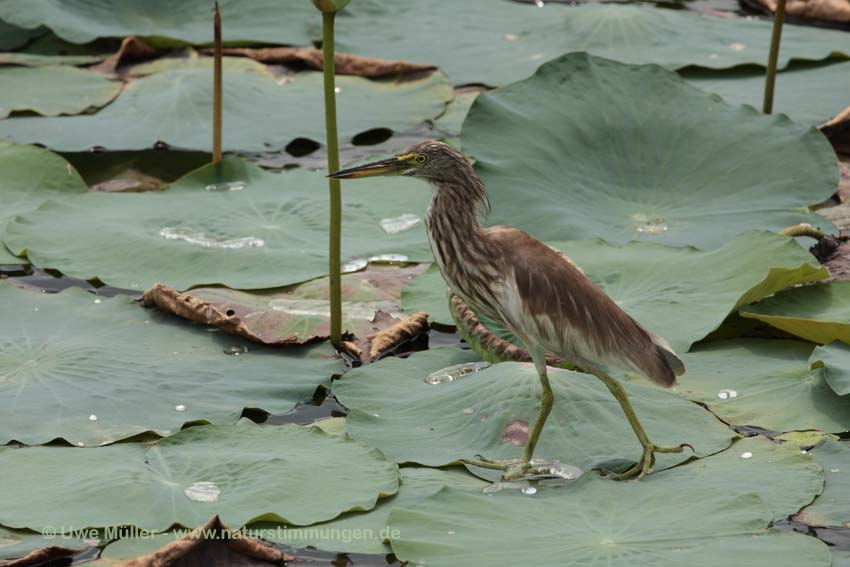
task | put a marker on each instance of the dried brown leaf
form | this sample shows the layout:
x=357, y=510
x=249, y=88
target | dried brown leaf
x=132, y=49
x=212, y=545
x=389, y=338
x=821, y=10
x=43, y=556
x=344, y=63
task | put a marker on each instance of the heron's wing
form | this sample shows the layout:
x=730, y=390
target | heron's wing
x=551, y=301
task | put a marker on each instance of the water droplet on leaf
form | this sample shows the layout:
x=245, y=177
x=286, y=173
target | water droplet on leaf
x=203, y=492
x=529, y=490
x=92, y=417
x=235, y=350
x=201, y=239
x=726, y=394
x=746, y=455
x=455, y=372
x=179, y=407
x=400, y=223
x=226, y=187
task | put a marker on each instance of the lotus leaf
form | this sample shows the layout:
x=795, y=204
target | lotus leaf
x=164, y=64
x=428, y=292
x=54, y=90
x=810, y=94
x=817, y=313
x=744, y=381
x=452, y=119
x=600, y=522
x=29, y=176
x=93, y=370
x=243, y=473
x=81, y=21
x=684, y=301
x=271, y=233
x=40, y=60
x=496, y=42
x=639, y=154
x=835, y=360
x=409, y=420
x=18, y=543
x=337, y=535
x=174, y=107
x=13, y=37
x=832, y=508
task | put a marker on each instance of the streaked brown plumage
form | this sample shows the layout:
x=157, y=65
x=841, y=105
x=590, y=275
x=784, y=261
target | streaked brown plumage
x=538, y=293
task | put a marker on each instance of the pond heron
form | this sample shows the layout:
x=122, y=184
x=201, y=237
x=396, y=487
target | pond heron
x=506, y=275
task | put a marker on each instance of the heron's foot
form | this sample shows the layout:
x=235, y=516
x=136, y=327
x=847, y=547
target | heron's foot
x=519, y=469
x=647, y=461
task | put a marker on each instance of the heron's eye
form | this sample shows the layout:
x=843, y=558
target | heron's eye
x=421, y=158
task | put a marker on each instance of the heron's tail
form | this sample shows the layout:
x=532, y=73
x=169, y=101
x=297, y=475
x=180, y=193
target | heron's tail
x=665, y=364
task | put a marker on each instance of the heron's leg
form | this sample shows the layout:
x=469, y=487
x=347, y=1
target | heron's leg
x=647, y=461
x=517, y=468
x=546, y=401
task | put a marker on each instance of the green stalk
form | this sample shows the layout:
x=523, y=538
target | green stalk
x=217, y=87
x=770, y=77
x=333, y=165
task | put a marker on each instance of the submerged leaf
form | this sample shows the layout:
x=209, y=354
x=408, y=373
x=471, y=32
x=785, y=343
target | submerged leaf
x=614, y=163
x=242, y=473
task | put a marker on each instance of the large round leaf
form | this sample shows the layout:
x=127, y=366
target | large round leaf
x=811, y=94
x=666, y=520
x=28, y=176
x=242, y=473
x=765, y=383
x=273, y=232
x=835, y=359
x=260, y=114
x=686, y=299
x=817, y=313
x=832, y=508
x=360, y=532
x=92, y=371
x=496, y=42
x=54, y=90
x=639, y=154
x=394, y=409
x=81, y=21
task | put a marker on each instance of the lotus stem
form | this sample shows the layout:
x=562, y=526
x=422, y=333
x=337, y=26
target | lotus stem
x=803, y=229
x=770, y=77
x=217, y=87
x=333, y=184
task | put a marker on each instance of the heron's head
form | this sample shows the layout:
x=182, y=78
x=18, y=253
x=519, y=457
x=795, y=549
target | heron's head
x=430, y=160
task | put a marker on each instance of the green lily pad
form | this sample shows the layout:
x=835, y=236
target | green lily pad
x=683, y=302
x=600, y=522
x=41, y=60
x=92, y=371
x=81, y=21
x=271, y=233
x=745, y=381
x=639, y=154
x=428, y=292
x=835, y=359
x=243, y=473
x=831, y=507
x=409, y=420
x=359, y=532
x=174, y=107
x=496, y=42
x=54, y=90
x=807, y=438
x=29, y=176
x=807, y=93
x=818, y=313
x=18, y=543
x=452, y=119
